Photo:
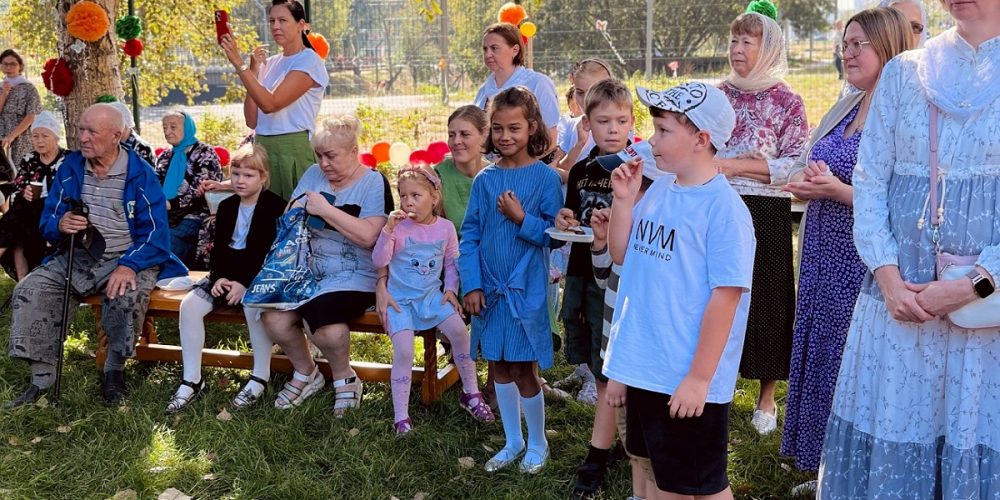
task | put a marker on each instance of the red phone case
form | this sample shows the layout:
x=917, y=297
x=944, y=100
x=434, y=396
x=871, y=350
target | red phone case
x=221, y=24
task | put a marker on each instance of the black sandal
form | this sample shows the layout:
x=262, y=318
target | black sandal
x=178, y=403
x=245, y=399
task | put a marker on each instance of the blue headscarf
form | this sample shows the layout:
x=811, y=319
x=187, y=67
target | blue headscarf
x=179, y=159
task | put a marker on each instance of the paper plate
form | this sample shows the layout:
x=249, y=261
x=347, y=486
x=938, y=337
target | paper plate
x=586, y=237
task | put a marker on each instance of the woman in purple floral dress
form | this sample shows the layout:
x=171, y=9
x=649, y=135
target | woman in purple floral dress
x=182, y=169
x=830, y=271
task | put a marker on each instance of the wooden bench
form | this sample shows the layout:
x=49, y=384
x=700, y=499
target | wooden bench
x=166, y=304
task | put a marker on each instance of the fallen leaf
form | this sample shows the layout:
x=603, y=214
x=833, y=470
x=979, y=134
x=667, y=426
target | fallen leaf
x=38, y=439
x=177, y=419
x=786, y=467
x=224, y=415
x=173, y=494
x=354, y=432
x=125, y=495
x=393, y=498
x=27, y=452
x=209, y=477
x=467, y=462
x=157, y=469
x=210, y=456
x=43, y=402
x=13, y=441
x=489, y=449
x=63, y=429
x=123, y=409
x=420, y=496
x=551, y=434
x=224, y=383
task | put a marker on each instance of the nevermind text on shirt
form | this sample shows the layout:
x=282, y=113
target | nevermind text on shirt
x=653, y=239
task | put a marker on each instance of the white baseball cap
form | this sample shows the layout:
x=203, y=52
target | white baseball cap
x=706, y=106
x=126, y=113
x=640, y=149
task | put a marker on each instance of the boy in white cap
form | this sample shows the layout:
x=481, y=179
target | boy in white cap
x=681, y=310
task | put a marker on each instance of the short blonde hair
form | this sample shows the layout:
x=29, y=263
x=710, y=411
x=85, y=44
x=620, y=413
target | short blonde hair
x=342, y=130
x=887, y=29
x=252, y=157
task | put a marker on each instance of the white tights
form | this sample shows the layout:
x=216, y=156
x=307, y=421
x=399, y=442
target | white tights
x=194, y=308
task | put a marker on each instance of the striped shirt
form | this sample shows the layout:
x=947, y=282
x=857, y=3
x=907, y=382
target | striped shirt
x=606, y=274
x=104, y=198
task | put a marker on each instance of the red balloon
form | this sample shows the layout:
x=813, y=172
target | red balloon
x=223, y=155
x=381, y=152
x=437, y=150
x=368, y=160
x=420, y=157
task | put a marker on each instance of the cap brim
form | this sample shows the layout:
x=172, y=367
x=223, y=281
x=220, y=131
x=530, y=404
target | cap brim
x=609, y=162
x=654, y=99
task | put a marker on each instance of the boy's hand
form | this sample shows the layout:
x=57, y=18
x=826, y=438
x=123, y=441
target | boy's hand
x=565, y=219
x=510, y=207
x=689, y=398
x=395, y=217
x=450, y=298
x=599, y=220
x=615, y=393
x=475, y=301
x=627, y=179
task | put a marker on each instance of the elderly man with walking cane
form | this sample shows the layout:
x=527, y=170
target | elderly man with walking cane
x=113, y=204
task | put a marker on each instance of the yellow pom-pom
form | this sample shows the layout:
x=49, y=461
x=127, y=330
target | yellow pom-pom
x=87, y=21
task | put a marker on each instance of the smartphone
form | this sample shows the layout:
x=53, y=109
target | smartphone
x=221, y=24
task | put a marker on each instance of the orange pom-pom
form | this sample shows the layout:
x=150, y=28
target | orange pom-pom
x=319, y=44
x=87, y=21
x=512, y=13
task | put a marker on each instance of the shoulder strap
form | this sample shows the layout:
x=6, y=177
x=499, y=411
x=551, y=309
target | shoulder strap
x=934, y=163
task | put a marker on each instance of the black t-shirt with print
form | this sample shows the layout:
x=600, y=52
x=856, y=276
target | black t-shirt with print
x=588, y=189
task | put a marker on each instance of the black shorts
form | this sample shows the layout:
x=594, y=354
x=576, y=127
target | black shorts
x=333, y=308
x=687, y=455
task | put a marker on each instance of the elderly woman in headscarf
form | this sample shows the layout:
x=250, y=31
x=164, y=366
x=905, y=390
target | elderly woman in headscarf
x=916, y=14
x=131, y=140
x=770, y=134
x=182, y=169
x=19, y=226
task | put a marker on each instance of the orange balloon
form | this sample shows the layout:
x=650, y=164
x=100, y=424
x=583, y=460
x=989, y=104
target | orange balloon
x=381, y=151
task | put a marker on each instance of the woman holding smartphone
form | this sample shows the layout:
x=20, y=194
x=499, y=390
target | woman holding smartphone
x=284, y=94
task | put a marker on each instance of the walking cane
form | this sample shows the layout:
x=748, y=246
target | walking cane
x=78, y=209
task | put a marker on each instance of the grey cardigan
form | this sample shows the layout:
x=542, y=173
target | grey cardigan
x=829, y=122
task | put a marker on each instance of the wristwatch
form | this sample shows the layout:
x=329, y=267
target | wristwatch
x=242, y=68
x=982, y=285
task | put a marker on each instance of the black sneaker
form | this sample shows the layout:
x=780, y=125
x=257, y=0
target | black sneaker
x=617, y=453
x=31, y=394
x=589, y=480
x=113, y=388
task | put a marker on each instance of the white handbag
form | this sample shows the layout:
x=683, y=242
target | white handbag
x=981, y=313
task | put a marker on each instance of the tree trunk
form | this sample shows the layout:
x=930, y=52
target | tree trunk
x=95, y=69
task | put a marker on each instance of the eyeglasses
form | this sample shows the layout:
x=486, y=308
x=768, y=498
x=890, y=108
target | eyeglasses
x=9, y=64
x=917, y=28
x=854, y=49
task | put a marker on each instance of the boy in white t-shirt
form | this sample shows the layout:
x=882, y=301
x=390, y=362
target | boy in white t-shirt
x=681, y=312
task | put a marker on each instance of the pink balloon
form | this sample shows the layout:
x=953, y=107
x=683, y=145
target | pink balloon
x=437, y=150
x=420, y=157
x=368, y=160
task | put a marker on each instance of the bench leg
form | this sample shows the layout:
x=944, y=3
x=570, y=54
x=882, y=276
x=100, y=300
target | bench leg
x=102, y=339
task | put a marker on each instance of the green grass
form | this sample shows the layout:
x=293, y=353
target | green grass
x=305, y=453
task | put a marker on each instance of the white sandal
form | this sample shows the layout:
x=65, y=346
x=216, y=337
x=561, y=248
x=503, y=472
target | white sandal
x=346, y=400
x=291, y=396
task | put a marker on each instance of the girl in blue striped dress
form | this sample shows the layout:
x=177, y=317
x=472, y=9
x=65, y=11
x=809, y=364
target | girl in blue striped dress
x=503, y=264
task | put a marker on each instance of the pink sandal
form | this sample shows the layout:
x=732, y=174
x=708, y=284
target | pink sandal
x=480, y=410
x=403, y=427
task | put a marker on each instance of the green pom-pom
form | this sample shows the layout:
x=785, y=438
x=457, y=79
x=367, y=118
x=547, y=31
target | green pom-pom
x=128, y=27
x=107, y=98
x=764, y=8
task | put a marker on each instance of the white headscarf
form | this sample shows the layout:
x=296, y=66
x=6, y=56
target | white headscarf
x=49, y=122
x=772, y=63
x=126, y=114
x=923, y=14
x=951, y=82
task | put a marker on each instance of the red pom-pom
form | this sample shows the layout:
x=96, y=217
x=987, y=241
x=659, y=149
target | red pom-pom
x=159, y=151
x=420, y=157
x=133, y=47
x=436, y=151
x=368, y=160
x=511, y=13
x=223, y=155
x=57, y=77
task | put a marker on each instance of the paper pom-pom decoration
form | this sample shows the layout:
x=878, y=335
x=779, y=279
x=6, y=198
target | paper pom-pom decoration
x=133, y=47
x=511, y=13
x=106, y=98
x=420, y=157
x=159, y=151
x=436, y=151
x=128, y=27
x=529, y=29
x=764, y=8
x=368, y=160
x=223, y=155
x=57, y=77
x=381, y=152
x=87, y=21
x=319, y=44
x=399, y=153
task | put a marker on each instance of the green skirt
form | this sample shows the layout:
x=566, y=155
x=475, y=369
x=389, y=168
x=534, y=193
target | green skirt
x=289, y=155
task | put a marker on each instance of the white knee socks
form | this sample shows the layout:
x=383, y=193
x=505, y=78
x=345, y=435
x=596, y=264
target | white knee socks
x=194, y=308
x=509, y=401
x=534, y=417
